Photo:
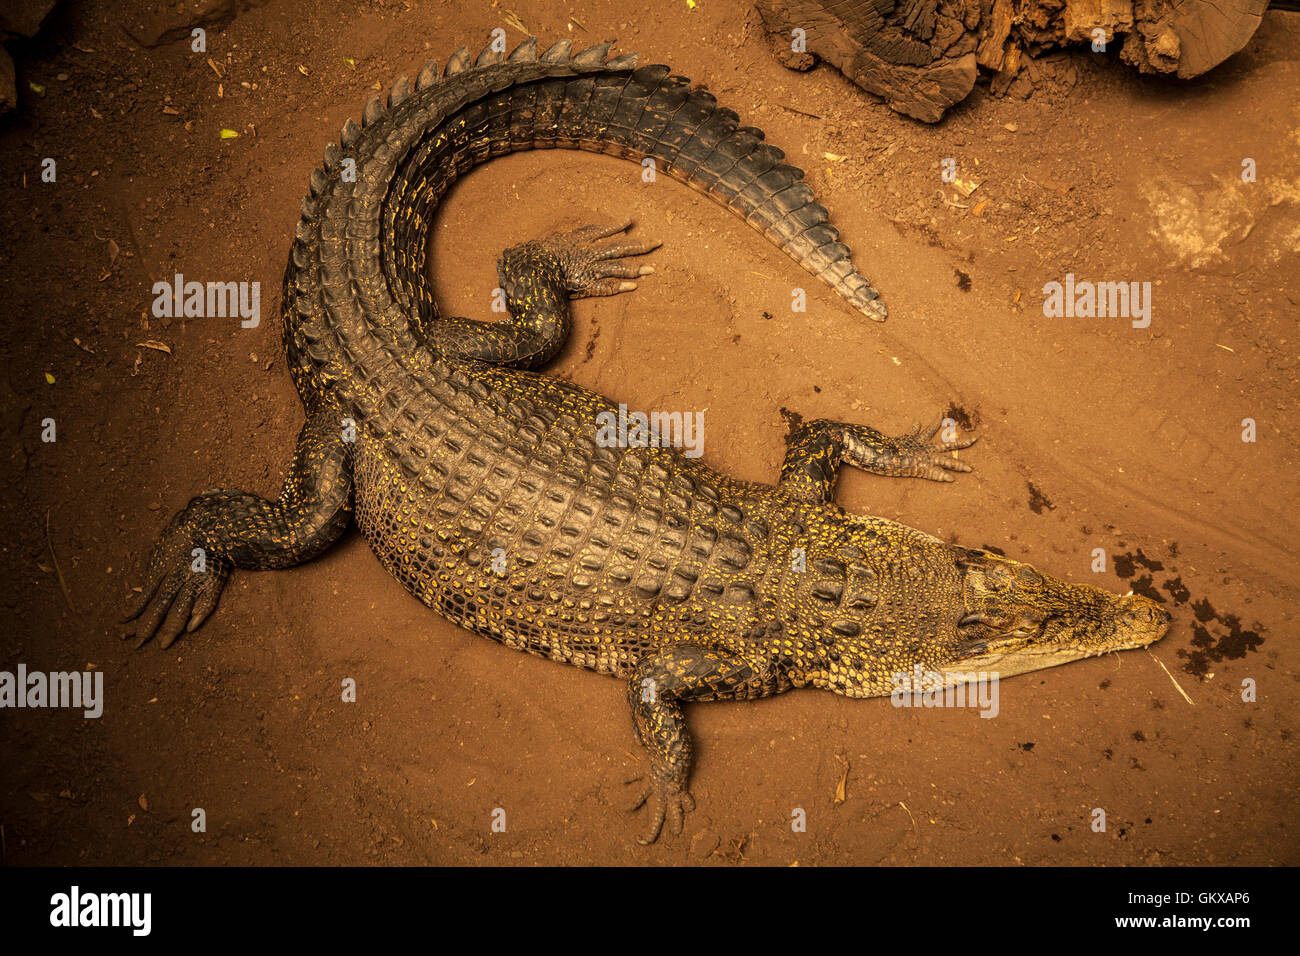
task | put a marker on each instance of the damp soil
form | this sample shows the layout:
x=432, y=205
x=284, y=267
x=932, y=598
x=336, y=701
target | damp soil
x=1129, y=441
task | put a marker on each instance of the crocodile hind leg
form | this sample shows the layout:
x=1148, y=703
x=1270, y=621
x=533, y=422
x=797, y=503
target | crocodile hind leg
x=659, y=685
x=538, y=279
x=221, y=530
x=818, y=448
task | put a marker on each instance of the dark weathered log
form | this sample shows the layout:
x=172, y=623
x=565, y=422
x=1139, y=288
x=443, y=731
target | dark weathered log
x=917, y=54
x=922, y=55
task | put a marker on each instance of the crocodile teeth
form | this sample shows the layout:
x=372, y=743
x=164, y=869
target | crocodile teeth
x=374, y=109
x=428, y=75
x=558, y=52
x=400, y=91
x=489, y=56
x=458, y=62
x=593, y=56
x=526, y=52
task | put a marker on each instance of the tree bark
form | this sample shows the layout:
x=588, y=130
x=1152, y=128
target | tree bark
x=923, y=56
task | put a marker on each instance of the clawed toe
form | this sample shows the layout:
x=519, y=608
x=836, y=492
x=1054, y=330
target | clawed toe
x=594, y=268
x=178, y=594
x=929, y=456
x=665, y=802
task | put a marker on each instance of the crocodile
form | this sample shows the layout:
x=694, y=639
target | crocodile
x=481, y=484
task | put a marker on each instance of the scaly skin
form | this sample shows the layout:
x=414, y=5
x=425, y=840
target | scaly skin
x=480, y=484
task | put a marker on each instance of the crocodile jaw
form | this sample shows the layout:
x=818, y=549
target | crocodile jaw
x=1019, y=619
x=1022, y=660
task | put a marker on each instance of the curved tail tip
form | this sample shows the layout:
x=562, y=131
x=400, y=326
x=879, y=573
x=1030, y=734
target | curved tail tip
x=873, y=309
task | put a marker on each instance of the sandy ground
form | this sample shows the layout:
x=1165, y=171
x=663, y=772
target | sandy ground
x=1095, y=435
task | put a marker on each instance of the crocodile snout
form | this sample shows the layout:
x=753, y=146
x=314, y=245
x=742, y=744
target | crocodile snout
x=1144, y=619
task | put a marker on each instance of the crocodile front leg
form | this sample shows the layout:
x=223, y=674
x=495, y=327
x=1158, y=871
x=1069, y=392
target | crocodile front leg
x=818, y=448
x=660, y=683
x=221, y=530
x=538, y=279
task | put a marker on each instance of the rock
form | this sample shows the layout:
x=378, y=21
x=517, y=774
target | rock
x=703, y=844
x=158, y=22
x=8, y=83
x=24, y=17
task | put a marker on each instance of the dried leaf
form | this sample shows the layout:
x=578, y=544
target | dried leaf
x=155, y=345
x=512, y=19
x=841, y=788
x=229, y=134
x=965, y=186
x=979, y=208
x=144, y=803
x=49, y=379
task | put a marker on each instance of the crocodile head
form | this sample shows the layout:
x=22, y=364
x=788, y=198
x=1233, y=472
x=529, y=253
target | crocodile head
x=1018, y=619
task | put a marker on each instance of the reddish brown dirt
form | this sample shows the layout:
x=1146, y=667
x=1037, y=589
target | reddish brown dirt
x=1095, y=435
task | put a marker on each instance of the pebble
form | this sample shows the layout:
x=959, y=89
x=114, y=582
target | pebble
x=704, y=843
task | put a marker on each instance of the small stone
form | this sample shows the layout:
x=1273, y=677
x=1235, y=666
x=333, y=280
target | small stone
x=704, y=843
x=8, y=84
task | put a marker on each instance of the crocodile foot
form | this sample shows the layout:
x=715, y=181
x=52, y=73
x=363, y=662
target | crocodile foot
x=923, y=457
x=594, y=268
x=664, y=799
x=182, y=584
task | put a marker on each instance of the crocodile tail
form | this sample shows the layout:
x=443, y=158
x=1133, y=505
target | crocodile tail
x=659, y=116
x=356, y=286
x=650, y=113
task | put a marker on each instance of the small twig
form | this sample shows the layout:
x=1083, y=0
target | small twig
x=63, y=585
x=1171, y=677
x=909, y=814
x=795, y=109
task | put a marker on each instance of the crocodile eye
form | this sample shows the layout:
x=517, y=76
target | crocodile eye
x=1028, y=577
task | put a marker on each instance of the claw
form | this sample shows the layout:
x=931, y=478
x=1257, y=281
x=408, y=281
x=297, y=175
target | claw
x=932, y=459
x=666, y=801
x=175, y=599
x=594, y=268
